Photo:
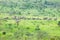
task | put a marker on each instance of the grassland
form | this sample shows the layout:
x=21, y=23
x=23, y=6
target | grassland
x=29, y=29
x=30, y=20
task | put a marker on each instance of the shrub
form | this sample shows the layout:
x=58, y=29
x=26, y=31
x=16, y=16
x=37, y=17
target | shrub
x=58, y=23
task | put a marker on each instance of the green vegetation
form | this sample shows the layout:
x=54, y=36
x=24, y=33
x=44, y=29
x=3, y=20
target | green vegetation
x=29, y=19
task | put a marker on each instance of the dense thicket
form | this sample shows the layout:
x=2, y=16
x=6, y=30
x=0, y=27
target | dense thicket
x=33, y=7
